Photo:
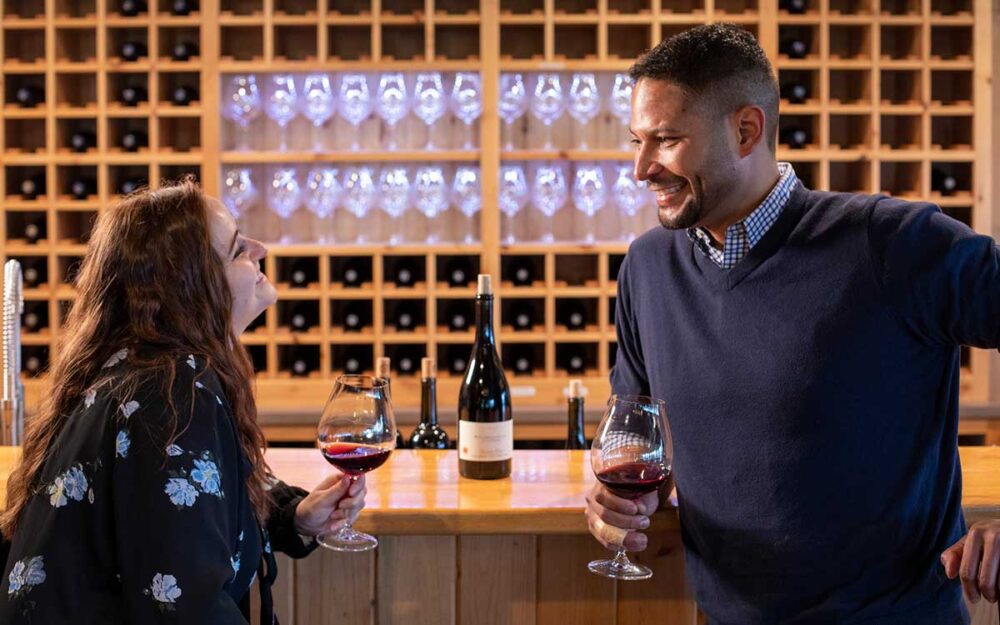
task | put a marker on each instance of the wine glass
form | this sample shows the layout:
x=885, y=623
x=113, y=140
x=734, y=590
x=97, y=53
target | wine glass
x=318, y=105
x=632, y=455
x=282, y=102
x=467, y=195
x=355, y=103
x=584, y=102
x=621, y=101
x=394, y=199
x=239, y=190
x=431, y=195
x=548, y=193
x=513, y=195
x=590, y=193
x=242, y=105
x=359, y=195
x=392, y=104
x=284, y=194
x=513, y=104
x=548, y=103
x=467, y=102
x=356, y=434
x=323, y=192
x=629, y=195
x=428, y=102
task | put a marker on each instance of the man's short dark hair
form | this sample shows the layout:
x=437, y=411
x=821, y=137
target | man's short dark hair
x=720, y=64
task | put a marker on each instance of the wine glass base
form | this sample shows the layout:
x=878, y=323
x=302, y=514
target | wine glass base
x=348, y=540
x=627, y=571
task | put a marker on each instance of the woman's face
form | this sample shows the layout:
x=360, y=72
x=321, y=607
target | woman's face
x=252, y=292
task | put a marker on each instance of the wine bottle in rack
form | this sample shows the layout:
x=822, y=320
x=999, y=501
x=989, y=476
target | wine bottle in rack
x=522, y=317
x=456, y=317
x=485, y=426
x=795, y=7
x=458, y=272
x=184, y=95
x=133, y=95
x=428, y=434
x=29, y=96
x=32, y=186
x=31, y=273
x=524, y=363
x=574, y=360
x=352, y=364
x=795, y=48
x=795, y=92
x=35, y=316
x=404, y=273
x=575, y=437
x=383, y=369
x=303, y=317
x=82, y=140
x=183, y=51
x=132, y=8
x=34, y=229
x=795, y=137
x=183, y=7
x=134, y=140
x=81, y=188
x=522, y=272
x=407, y=364
x=457, y=364
x=130, y=185
x=354, y=317
x=350, y=274
x=942, y=182
x=573, y=315
x=301, y=363
x=33, y=365
x=132, y=51
x=406, y=315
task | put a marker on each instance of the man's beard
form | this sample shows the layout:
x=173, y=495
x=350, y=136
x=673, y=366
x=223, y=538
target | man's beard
x=689, y=214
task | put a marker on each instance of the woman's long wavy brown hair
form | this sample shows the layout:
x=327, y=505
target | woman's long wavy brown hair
x=150, y=278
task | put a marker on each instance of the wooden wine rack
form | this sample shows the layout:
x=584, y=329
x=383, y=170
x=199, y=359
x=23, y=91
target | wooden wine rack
x=898, y=88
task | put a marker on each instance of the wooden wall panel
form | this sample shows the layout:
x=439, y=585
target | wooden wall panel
x=416, y=580
x=496, y=580
x=568, y=593
x=335, y=588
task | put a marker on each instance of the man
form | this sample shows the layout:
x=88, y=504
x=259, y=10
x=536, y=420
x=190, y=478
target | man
x=807, y=347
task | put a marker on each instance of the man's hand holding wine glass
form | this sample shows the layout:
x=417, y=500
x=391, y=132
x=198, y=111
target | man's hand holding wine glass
x=610, y=516
x=335, y=501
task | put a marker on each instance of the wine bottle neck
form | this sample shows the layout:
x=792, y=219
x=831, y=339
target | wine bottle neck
x=484, y=320
x=576, y=438
x=428, y=401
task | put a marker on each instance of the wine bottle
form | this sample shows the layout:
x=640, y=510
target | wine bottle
x=183, y=51
x=457, y=319
x=407, y=364
x=355, y=317
x=485, y=427
x=573, y=315
x=575, y=437
x=350, y=274
x=132, y=8
x=383, y=369
x=522, y=272
x=403, y=274
x=132, y=51
x=81, y=188
x=303, y=317
x=134, y=140
x=184, y=95
x=406, y=315
x=29, y=96
x=795, y=7
x=523, y=362
x=352, y=364
x=795, y=92
x=82, y=140
x=33, y=186
x=458, y=364
x=428, y=434
x=795, y=48
x=35, y=316
x=943, y=182
x=573, y=359
x=133, y=95
x=795, y=137
x=302, y=363
x=33, y=365
x=130, y=185
x=32, y=272
x=34, y=230
x=183, y=7
x=521, y=316
x=458, y=272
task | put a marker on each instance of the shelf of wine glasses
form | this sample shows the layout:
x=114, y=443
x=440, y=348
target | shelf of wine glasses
x=380, y=149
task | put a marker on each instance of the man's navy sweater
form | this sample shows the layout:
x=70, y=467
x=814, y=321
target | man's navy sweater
x=812, y=392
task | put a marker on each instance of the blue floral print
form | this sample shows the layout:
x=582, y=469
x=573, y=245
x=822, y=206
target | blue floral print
x=165, y=591
x=122, y=443
x=25, y=575
x=206, y=475
x=181, y=492
x=70, y=485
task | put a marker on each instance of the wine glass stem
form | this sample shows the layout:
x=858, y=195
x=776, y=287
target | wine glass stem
x=243, y=137
x=390, y=136
x=430, y=137
x=548, y=136
x=508, y=131
x=510, y=230
x=468, y=136
x=620, y=560
x=317, y=137
x=470, y=237
x=283, y=138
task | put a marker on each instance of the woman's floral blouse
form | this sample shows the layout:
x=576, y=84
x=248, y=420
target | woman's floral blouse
x=129, y=526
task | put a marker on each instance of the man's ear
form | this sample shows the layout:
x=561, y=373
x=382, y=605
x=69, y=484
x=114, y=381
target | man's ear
x=749, y=128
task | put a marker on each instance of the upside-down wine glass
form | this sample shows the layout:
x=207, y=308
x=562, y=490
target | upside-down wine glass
x=584, y=103
x=467, y=102
x=467, y=195
x=513, y=196
x=590, y=193
x=392, y=104
x=323, y=193
x=620, y=104
x=356, y=434
x=359, y=196
x=629, y=195
x=284, y=196
x=319, y=105
x=394, y=198
x=429, y=102
x=282, y=105
x=355, y=101
x=513, y=104
x=430, y=191
x=548, y=103
x=242, y=105
x=632, y=455
x=238, y=191
x=549, y=192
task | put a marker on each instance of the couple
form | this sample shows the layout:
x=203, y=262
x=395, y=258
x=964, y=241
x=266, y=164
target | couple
x=806, y=343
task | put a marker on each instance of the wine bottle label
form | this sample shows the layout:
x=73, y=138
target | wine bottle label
x=486, y=442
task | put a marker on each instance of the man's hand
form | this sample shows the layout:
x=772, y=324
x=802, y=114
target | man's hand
x=615, y=522
x=975, y=558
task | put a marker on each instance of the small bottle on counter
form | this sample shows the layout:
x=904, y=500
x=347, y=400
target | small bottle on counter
x=575, y=437
x=428, y=434
x=383, y=369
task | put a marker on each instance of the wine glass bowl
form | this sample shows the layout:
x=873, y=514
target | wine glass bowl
x=355, y=102
x=318, y=104
x=467, y=102
x=632, y=455
x=282, y=105
x=512, y=104
x=356, y=434
x=429, y=102
x=392, y=104
x=548, y=103
x=242, y=104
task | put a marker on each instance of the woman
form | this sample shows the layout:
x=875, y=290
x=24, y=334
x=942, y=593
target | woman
x=142, y=495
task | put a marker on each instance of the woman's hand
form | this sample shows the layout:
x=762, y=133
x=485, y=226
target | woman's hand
x=330, y=505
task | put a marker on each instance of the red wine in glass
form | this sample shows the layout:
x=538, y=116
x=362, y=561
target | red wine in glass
x=632, y=480
x=632, y=455
x=354, y=459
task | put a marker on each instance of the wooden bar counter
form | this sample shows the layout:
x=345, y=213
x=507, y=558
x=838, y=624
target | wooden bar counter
x=464, y=552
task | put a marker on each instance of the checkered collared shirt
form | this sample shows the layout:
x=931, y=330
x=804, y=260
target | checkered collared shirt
x=744, y=234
